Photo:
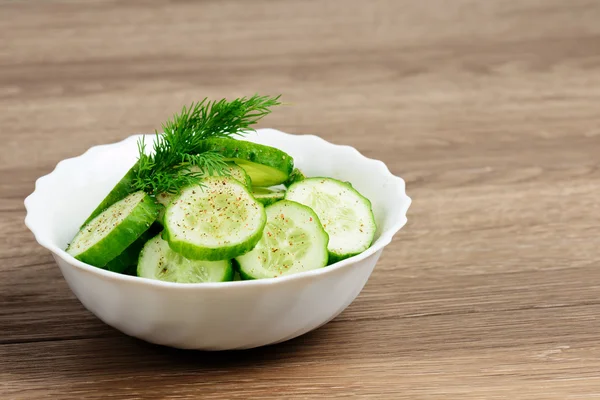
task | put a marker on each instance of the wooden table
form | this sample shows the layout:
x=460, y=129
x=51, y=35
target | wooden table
x=489, y=109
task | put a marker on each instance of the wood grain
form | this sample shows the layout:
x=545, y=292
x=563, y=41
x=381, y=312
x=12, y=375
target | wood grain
x=489, y=110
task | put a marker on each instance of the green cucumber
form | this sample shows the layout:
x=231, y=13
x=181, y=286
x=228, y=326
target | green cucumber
x=268, y=196
x=131, y=270
x=121, y=189
x=239, y=173
x=295, y=176
x=129, y=257
x=113, y=230
x=159, y=261
x=164, y=199
x=236, y=276
x=346, y=215
x=293, y=241
x=235, y=172
x=214, y=221
x=267, y=166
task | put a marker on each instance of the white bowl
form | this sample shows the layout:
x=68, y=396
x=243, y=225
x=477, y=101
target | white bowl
x=212, y=316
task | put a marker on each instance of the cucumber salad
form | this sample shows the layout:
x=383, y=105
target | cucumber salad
x=203, y=206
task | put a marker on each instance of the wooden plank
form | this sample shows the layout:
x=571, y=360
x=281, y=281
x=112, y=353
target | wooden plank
x=486, y=355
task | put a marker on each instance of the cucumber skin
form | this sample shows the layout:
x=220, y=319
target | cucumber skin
x=230, y=273
x=269, y=197
x=245, y=277
x=242, y=274
x=194, y=252
x=336, y=257
x=129, y=257
x=238, y=268
x=121, y=190
x=128, y=231
x=267, y=201
x=247, y=151
x=295, y=176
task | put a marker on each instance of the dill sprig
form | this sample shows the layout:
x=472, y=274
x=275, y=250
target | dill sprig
x=168, y=168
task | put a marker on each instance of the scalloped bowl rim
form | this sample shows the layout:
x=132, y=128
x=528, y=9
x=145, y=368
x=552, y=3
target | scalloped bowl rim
x=383, y=240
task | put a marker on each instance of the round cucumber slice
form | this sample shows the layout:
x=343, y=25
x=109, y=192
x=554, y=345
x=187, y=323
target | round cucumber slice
x=159, y=261
x=268, y=196
x=345, y=214
x=295, y=176
x=293, y=241
x=115, y=229
x=235, y=172
x=267, y=166
x=215, y=221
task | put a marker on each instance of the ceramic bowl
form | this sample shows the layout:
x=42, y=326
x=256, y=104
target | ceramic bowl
x=212, y=316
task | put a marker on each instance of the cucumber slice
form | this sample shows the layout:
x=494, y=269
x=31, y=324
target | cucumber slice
x=129, y=257
x=216, y=221
x=293, y=241
x=345, y=214
x=235, y=171
x=267, y=166
x=239, y=173
x=159, y=261
x=111, y=232
x=121, y=189
x=295, y=176
x=164, y=199
x=268, y=196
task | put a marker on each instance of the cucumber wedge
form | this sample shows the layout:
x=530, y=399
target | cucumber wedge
x=113, y=230
x=295, y=176
x=293, y=241
x=268, y=196
x=216, y=221
x=345, y=214
x=159, y=261
x=129, y=257
x=121, y=189
x=267, y=166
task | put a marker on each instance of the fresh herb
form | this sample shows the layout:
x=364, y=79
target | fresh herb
x=167, y=169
